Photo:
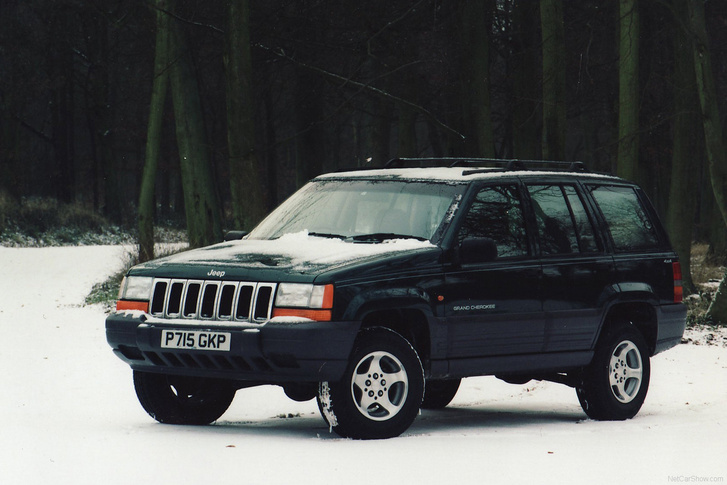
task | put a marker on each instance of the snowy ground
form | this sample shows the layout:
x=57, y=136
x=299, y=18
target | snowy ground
x=71, y=416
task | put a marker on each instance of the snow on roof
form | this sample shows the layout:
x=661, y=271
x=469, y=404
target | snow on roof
x=453, y=174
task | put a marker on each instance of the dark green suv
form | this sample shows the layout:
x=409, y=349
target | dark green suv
x=376, y=291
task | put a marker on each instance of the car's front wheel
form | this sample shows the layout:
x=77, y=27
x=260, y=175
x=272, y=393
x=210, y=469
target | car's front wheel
x=381, y=391
x=614, y=385
x=182, y=400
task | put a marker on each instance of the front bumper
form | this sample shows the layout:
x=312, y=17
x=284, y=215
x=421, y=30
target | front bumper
x=305, y=351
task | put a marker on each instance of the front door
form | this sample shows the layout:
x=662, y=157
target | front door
x=493, y=307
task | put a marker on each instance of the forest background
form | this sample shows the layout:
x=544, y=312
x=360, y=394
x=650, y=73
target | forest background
x=208, y=114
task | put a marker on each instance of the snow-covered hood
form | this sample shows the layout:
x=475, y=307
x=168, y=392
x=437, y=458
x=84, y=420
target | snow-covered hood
x=297, y=253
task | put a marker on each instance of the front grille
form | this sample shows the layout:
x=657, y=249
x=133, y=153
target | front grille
x=234, y=301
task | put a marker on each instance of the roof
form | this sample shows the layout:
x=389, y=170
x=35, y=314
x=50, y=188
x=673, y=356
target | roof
x=457, y=174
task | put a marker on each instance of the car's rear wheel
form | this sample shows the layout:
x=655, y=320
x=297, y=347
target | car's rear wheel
x=381, y=391
x=438, y=393
x=615, y=384
x=182, y=400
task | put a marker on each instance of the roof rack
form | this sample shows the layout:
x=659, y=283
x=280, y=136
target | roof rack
x=483, y=163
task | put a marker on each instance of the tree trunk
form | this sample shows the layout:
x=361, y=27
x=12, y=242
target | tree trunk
x=154, y=131
x=310, y=144
x=10, y=152
x=682, y=197
x=98, y=112
x=712, y=134
x=477, y=120
x=376, y=132
x=407, y=133
x=554, y=108
x=709, y=104
x=200, y=198
x=717, y=235
x=628, y=92
x=525, y=138
x=248, y=205
x=270, y=155
x=61, y=61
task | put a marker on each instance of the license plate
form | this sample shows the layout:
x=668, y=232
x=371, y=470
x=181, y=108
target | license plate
x=194, y=340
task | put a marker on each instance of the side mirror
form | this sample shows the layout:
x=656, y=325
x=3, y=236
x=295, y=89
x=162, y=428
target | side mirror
x=478, y=250
x=235, y=235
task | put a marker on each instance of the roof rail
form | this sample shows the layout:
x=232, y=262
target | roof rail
x=508, y=164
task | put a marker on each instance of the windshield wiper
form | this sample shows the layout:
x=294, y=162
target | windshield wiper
x=383, y=236
x=327, y=235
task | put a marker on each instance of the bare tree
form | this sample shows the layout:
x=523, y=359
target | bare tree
x=248, y=204
x=554, y=80
x=200, y=198
x=476, y=21
x=628, y=92
x=154, y=129
x=686, y=133
x=712, y=133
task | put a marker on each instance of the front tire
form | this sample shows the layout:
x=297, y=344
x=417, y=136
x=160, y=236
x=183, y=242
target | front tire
x=182, y=400
x=381, y=390
x=615, y=384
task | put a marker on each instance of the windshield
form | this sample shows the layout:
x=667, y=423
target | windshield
x=362, y=210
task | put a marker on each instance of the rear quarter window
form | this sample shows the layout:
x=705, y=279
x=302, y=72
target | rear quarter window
x=629, y=224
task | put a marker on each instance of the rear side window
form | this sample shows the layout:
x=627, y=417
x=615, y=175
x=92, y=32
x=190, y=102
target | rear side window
x=496, y=213
x=630, y=226
x=563, y=225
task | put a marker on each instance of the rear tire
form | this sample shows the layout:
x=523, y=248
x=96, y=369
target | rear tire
x=615, y=384
x=381, y=390
x=439, y=393
x=182, y=400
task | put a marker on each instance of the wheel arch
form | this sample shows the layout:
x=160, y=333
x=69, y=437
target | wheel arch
x=409, y=321
x=641, y=314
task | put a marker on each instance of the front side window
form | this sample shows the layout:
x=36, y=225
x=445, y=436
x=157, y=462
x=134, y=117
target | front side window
x=496, y=213
x=630, y=226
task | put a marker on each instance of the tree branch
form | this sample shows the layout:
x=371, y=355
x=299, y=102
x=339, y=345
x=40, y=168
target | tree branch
x=30, y=128
x=186, y=21
x=365, y=86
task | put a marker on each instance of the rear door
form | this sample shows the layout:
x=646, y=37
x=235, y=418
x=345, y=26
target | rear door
x=578, y=273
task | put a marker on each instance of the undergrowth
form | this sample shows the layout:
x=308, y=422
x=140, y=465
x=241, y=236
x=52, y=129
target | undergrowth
x=107, y=291
x=706, y=276
x=43, y=221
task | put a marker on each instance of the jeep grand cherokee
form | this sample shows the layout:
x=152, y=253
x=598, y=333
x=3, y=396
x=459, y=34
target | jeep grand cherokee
x=376, y=291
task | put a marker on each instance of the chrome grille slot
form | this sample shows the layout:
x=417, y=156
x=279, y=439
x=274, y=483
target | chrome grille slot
x=191, y=299
x=244, y=301
x=212, y=300
x=209, y=299
x=227, y=298
x=160, y=291
x=263, y=302
x=174, y=300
